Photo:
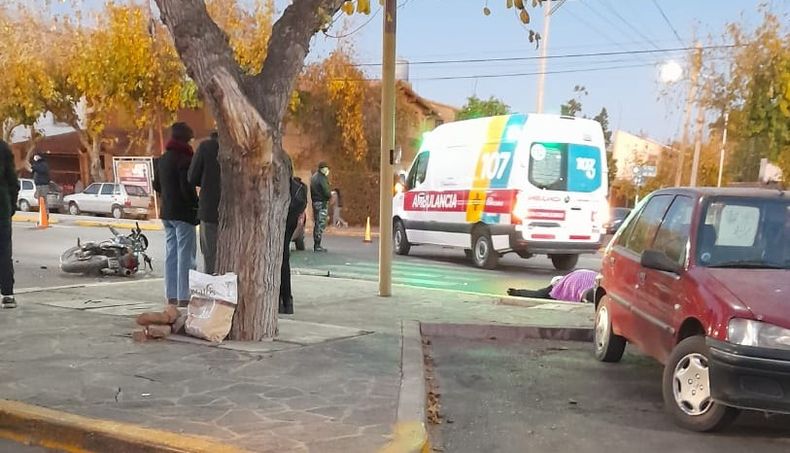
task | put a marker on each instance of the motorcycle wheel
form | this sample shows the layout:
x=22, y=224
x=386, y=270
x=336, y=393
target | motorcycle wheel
x=70, y=263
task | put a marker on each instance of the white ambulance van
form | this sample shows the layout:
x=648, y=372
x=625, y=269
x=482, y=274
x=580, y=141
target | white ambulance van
x=528, y=184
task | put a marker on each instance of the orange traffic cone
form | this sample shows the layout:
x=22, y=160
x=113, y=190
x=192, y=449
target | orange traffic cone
x=367, y=232
x=43, y=213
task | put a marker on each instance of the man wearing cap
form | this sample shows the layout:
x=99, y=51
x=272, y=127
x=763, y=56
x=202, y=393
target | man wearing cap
x=320, y=194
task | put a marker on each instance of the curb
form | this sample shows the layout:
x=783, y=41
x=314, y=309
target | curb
x=28, y=218
x=410, y=434
x=33, y=425
x=507, y=332
x=121, y=225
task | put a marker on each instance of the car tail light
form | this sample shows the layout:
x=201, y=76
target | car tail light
x=128, y=203
x=543, y=236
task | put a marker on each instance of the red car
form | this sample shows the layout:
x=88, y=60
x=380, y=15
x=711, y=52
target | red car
x=699, y=279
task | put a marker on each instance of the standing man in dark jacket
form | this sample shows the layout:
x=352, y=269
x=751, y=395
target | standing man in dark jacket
x=205, y=173
x=40, y=170
x=9, y=191
x=295, y=209
x=179, y=213
x=320, y=194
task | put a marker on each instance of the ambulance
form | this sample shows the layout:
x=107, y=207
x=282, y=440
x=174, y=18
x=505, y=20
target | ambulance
x=527, y=184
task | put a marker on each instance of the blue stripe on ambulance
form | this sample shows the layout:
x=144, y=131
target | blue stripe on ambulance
x=507, y=144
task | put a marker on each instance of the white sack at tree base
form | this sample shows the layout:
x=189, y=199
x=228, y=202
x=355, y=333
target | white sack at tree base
x=212, y=302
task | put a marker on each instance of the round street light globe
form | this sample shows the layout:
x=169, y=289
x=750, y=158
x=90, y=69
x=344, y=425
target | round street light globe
x=670, y=72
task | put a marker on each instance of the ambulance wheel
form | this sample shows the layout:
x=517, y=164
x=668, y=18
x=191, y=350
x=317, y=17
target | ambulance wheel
x=399, y=240
x=483, y=252
x=564, y=262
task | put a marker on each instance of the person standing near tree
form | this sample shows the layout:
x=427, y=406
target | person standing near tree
x=320, y=194
x=9, y=191
x=295, y=209
x=179, y=212
x=337, y=216
x=205, y=173
x=40, y=170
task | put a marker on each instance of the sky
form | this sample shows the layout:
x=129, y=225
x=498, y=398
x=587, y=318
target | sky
x=430, y=32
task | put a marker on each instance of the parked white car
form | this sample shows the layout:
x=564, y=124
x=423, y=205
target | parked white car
x=118, y=200
x=27, y=201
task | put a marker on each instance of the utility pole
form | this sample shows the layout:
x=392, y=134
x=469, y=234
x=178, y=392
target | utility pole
x=723, y=147
x=544, y=48
x=696, y=65
x=698, y=135
x=387, y=147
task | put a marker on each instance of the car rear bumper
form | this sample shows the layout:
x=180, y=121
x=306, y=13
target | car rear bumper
x=550, y=248
x=135, y=211
x=749, y=377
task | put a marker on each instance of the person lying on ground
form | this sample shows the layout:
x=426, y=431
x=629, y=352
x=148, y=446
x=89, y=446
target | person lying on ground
x=578, y=286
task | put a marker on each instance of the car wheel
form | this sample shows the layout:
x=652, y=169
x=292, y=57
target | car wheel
x=24, y=206
x=299, y=242
x=483, y=252
x=117, y=212
x=564, y=262
x=400, y=241
x=74, y=209
x=686, y=389
x=609, y=347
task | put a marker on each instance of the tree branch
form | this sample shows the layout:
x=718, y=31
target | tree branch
x=288, y=47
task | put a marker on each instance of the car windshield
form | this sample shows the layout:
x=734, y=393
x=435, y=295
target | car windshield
x=565, y=166
x=620, y=213
x=747, y=233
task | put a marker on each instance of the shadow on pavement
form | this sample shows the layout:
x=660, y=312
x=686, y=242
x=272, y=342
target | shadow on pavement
x=548, y=396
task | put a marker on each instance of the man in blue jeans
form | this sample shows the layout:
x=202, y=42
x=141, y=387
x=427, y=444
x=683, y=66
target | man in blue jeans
x=178, y=212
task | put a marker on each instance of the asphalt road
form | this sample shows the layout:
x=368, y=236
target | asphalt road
x=550, y=396
x=37, y=252
x=430, y=267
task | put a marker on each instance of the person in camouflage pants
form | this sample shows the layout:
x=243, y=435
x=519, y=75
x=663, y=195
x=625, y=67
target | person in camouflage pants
x=320, y=194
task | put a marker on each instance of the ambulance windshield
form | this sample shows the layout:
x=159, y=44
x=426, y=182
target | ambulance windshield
x=566, y=167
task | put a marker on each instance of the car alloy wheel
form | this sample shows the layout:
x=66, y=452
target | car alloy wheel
x=691, y=384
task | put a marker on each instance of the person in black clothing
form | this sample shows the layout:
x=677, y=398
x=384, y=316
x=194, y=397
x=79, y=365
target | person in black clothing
x=295, y=209
x=41, y=179
x=9, y=191
x=205, y=173
x=320, y=194
x=179, y=213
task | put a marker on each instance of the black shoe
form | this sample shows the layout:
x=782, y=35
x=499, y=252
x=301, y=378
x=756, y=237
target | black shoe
x=9, y=302
x=319, y=249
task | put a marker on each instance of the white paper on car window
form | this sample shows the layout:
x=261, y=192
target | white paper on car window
x=738, y=226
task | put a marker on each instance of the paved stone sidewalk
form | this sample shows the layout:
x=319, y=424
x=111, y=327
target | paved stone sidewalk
x=69, y=350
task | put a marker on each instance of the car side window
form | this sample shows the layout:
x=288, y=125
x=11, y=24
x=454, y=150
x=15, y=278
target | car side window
x=673, y=234
x=418, y=171
x=107, y=189
x=116, y=189
x=93, y=189
x=27, y=185
x=645, y=227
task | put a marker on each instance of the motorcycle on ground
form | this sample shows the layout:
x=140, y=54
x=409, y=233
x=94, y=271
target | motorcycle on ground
x=119, y=255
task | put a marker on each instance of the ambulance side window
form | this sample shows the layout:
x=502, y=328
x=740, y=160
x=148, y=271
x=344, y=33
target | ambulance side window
x=418, y=171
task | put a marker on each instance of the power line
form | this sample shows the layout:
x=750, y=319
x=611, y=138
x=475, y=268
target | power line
x=559, y=56
x=595, y=28
x=364, y=24
x=669, y=22
x=514, y=74
x=613, y=10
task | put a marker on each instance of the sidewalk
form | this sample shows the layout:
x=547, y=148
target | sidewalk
x=329, y=384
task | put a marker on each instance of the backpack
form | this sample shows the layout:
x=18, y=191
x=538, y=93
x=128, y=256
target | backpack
x=298, y=198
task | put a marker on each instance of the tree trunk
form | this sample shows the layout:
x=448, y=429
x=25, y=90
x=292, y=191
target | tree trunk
x=252, y=224
x=255, y=169
x=30, y=147
x=94, y=155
